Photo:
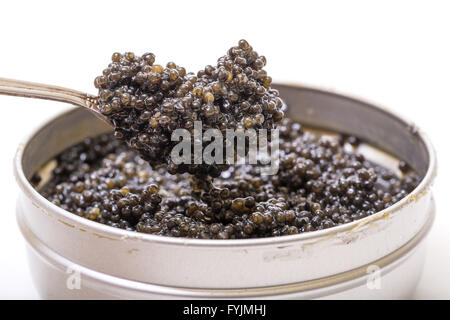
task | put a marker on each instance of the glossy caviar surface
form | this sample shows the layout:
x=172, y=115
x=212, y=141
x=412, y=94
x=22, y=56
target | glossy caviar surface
x=146, y=101
x=320, y=184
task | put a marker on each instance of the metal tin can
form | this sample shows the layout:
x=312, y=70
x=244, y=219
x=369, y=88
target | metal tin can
x=380, y=256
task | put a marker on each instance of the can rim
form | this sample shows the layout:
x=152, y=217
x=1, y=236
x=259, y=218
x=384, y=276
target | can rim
x=119, y=234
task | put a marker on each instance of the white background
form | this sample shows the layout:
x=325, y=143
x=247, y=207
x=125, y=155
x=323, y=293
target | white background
x=392, y=52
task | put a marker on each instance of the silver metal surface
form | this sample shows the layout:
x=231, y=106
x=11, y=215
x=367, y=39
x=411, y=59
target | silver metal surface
x=27, y=89
x=115, y=261
x=404, y=264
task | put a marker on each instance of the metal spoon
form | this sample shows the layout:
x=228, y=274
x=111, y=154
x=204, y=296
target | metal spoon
x=27, y=89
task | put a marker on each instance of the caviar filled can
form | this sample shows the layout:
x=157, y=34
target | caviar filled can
x=380, y=256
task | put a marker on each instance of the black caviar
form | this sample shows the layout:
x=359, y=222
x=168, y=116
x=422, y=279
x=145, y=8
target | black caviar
x=146, y=102
x=319, y=185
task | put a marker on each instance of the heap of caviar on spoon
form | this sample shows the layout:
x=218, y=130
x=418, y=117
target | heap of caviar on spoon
x=146, y=102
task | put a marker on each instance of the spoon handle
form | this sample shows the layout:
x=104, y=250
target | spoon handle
x=44, y=91
x=48, y=92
